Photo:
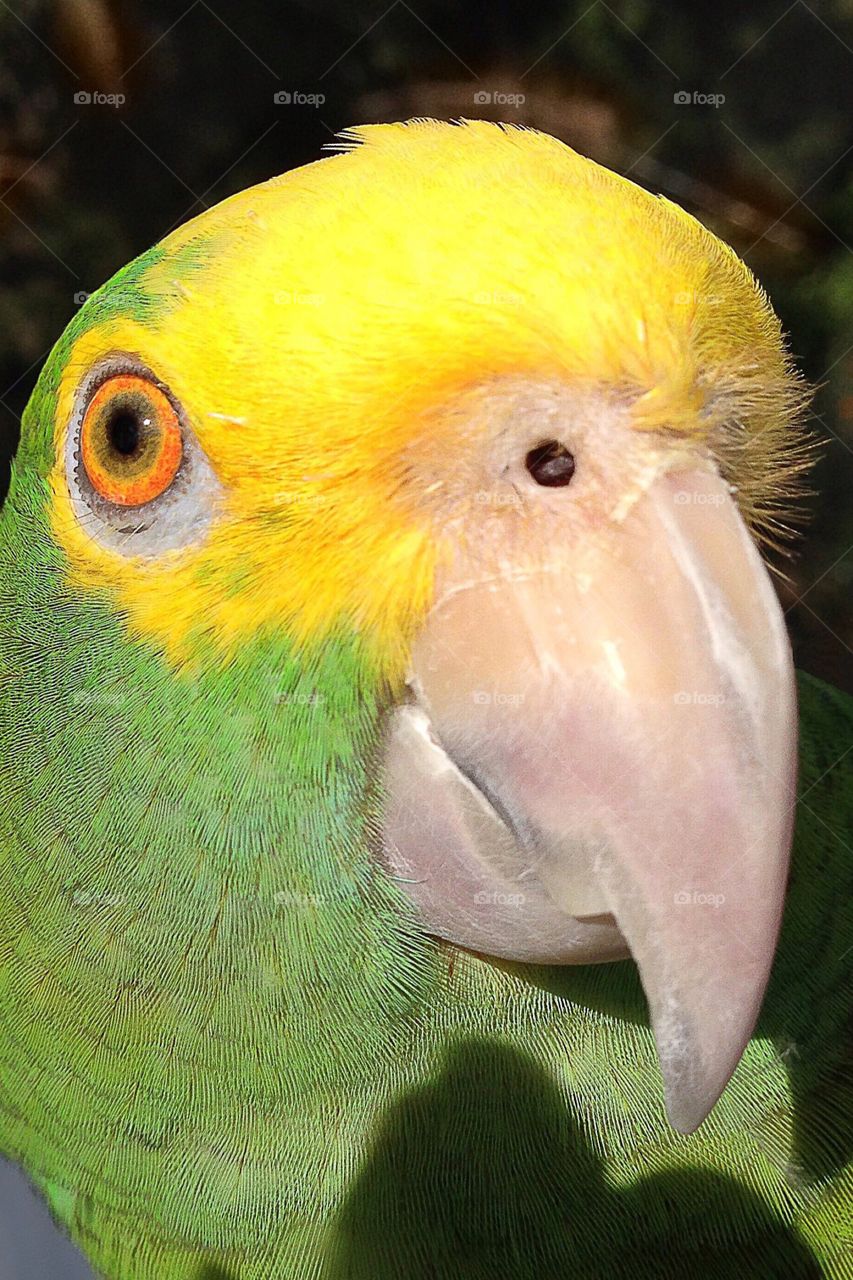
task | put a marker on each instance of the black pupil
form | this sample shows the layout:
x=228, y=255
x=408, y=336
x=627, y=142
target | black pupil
x=550, y=464
x=123, y=431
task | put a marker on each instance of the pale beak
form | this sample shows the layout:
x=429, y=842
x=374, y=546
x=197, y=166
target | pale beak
x=600, y=754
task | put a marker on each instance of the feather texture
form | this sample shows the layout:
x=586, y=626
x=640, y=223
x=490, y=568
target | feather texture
x=227, y=1051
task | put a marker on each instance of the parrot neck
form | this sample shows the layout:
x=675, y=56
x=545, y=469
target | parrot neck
x=209, y=834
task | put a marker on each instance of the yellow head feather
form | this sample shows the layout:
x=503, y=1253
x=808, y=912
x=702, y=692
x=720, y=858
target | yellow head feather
x=343, y=302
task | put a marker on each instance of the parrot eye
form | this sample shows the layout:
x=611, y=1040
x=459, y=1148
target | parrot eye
x=130, y=439
x=138, y=479
x=550, y=464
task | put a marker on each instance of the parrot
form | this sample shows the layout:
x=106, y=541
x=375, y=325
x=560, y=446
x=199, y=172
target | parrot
x=420, y=856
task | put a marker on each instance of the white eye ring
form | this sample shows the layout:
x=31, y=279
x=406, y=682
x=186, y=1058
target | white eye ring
x=179, y=517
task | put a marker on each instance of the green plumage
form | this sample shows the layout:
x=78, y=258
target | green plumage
x=227, y=1051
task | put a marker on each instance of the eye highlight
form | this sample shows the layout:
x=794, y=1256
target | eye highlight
x=131, y=444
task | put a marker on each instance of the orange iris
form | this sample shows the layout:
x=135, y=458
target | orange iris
x=130, y=440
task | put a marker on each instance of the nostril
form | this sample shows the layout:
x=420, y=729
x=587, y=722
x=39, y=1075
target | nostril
x=550, y=464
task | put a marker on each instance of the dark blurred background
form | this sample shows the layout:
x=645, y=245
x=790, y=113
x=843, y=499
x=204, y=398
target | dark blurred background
x=121, y=118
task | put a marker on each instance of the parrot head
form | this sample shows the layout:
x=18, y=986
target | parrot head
x=514, y=427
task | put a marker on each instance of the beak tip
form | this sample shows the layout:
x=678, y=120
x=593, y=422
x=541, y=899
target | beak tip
x=692, y=1085
x=684, y=1115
